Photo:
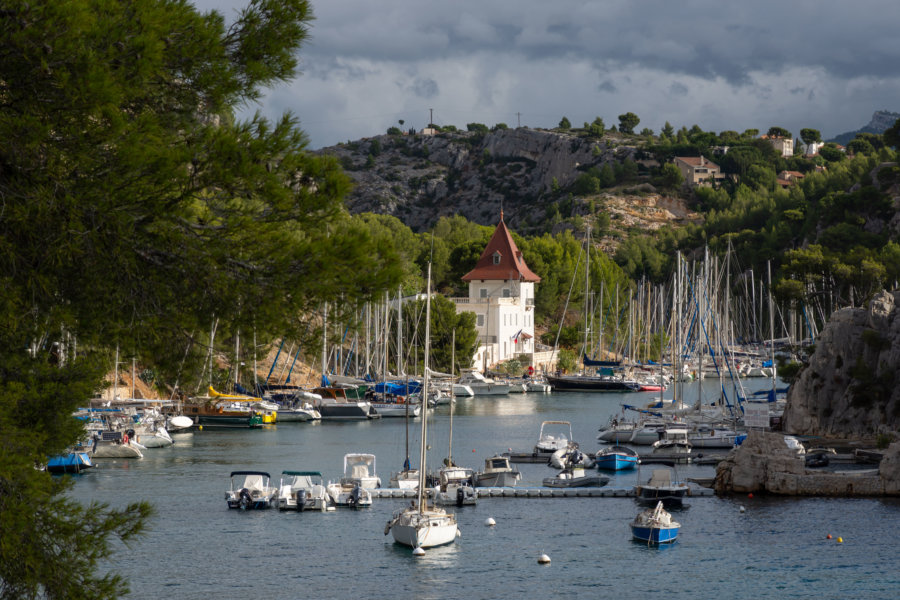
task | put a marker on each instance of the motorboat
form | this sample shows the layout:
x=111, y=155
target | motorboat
x=359, y=469
x=655, y=526
x=388, y=405
x=661, y=487
x=554, y=435
x=250, y=489
x=455, y=485
x=350, y=495
x=570, y=457
x=674, y=441
x=538, y=385
x=302, y=490
x=497, y=472
x=616, y=458
x=575, y=477
x=483, y=386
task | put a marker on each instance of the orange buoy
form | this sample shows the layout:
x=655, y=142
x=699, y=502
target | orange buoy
x=828, y=537
x=750, y=495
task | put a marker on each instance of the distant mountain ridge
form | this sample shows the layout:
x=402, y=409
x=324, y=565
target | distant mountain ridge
x=881, y=121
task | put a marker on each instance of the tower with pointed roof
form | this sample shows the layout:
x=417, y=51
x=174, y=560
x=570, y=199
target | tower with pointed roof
x=501, y=294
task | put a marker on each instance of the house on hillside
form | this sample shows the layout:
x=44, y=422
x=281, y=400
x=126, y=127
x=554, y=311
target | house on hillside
x=501, y=294
x=698, y=171
x=788, y=178
x=784, y=145
x=810, y=149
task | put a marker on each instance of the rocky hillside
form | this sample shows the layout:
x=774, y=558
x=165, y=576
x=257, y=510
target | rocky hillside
x=850, y=386
x=881, y=121
x=419, y=178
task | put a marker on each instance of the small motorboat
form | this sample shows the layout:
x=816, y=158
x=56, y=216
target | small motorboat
x=554, y=435
x=350, y=495
x=616, y=458
x=302, y=490
x=575, y=477
x=655, y=526
x=498, y=472
x=359, y=469
x=250, y=489
x=455, y=485
x=661, y=487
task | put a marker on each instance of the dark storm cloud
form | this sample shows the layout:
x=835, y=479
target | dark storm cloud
x=722, y=65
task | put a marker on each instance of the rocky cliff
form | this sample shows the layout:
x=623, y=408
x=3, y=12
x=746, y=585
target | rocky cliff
x=763, y=463
x=850, y=386
x=419, y=178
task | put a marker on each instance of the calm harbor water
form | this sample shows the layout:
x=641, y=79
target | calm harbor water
x=196, y=547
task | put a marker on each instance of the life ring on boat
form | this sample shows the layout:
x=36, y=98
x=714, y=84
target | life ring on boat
x=125, y=438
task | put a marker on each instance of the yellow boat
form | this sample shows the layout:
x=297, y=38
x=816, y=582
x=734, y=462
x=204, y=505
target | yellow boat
x=261, y=407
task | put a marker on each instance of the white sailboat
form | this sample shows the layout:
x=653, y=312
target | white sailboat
x=421, y=525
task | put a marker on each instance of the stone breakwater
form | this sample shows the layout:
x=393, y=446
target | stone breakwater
x=764, y=463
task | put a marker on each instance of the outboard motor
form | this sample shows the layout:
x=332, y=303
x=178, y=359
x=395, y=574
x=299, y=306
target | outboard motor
x=246, y=500
x=301, y=499
x=353, y=501
x=460, y=495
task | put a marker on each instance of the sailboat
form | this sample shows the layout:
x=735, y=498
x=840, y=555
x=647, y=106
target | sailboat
x=456, y=485
x=420, y=525
x=606, y=380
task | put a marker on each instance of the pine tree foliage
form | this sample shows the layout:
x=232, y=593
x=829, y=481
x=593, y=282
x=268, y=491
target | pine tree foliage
x=134, y=210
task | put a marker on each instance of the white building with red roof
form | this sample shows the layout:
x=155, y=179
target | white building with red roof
x=501, y=294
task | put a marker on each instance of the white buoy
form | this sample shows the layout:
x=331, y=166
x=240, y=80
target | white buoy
x=742, y=509
x=418, y=551
x=490, y=522
x=543, y=559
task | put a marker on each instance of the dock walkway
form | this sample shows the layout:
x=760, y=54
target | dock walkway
x=537, y=492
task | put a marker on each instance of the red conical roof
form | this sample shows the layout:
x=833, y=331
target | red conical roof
x=510, y=263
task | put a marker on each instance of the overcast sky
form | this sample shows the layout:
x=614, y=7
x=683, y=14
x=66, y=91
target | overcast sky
x=718, y=64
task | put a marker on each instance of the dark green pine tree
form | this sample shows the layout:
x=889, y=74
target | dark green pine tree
x=135, y=209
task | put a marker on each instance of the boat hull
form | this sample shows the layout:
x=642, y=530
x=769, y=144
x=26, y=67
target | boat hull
x=669, y=495
x=426, y=530
x=575, y=482
x=591, y=384
x=504, y=479
x=654, y=535
x=616, y=461
x=74, y=462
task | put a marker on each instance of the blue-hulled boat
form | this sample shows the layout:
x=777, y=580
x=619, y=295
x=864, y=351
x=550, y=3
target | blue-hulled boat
x=73, y=462
x=616, y=458
x=655, y=526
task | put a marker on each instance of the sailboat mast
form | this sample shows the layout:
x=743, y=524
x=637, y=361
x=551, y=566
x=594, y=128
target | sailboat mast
x=324, y=342
x=452, y=358
x=587, y=272
x=771, y=325
x=425, y=394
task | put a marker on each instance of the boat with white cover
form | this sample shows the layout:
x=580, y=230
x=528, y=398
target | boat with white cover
x=250, y=489
x=302, y=490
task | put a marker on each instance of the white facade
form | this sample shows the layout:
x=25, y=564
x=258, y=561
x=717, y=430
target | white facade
x=504, y=313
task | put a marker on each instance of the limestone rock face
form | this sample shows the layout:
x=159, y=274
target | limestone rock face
x=419, y=178
x=764, y=463
x=851, y=386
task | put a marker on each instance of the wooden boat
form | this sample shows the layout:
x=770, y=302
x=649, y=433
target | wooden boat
x=655, y=526
x=616, y=458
